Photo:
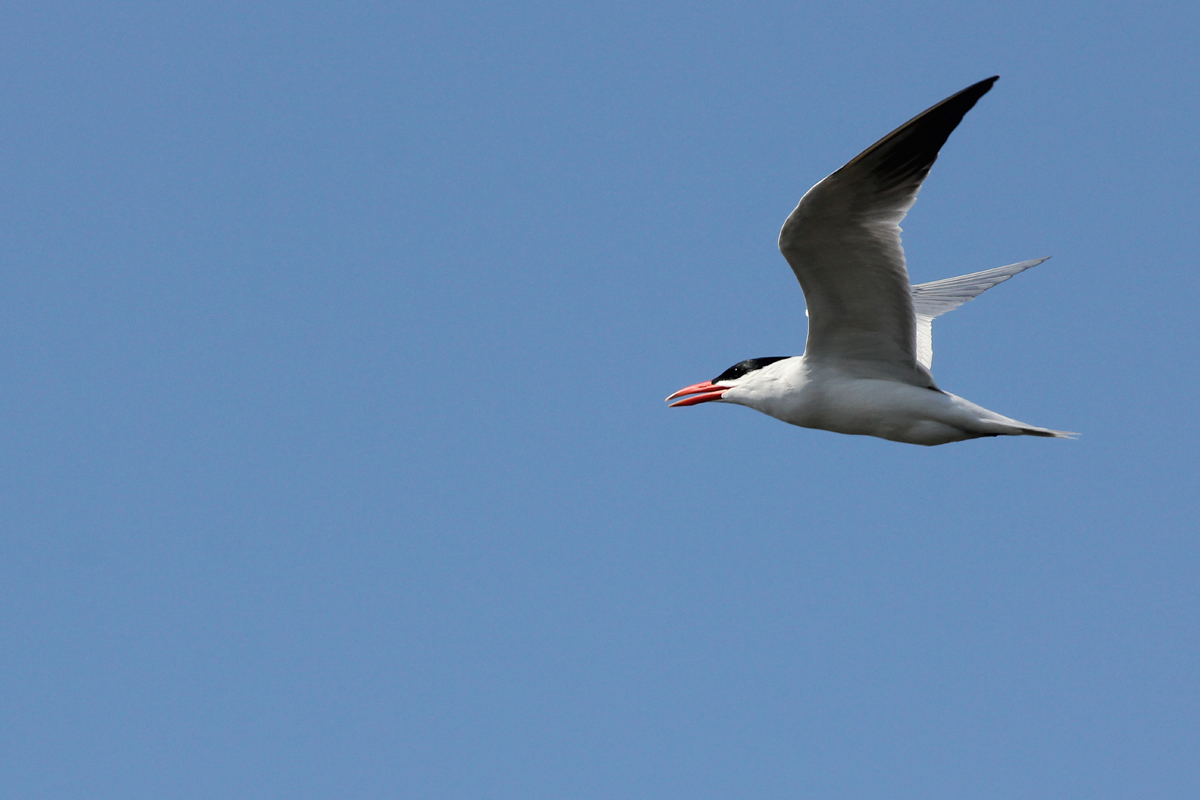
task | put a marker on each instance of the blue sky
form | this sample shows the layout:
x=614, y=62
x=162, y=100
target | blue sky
x=334, y=339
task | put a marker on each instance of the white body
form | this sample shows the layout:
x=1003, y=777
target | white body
x=815, y=395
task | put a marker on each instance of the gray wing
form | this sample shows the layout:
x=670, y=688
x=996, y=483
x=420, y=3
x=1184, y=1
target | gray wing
x=937, y=297
x=843, y=243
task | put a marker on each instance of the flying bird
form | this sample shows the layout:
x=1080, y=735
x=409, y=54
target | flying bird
x=865, y=368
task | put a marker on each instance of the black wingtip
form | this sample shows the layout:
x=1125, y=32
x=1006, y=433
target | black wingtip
x=970, y=95
x=904, y=156
x=984, y=86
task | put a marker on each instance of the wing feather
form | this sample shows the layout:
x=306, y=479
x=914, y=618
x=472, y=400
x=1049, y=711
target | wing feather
x=935, y=298
x=843, y=243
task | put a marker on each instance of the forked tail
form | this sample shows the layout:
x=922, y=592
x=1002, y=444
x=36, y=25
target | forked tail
x=1029, y=430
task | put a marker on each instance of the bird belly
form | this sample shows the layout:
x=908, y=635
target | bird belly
x=885, y=409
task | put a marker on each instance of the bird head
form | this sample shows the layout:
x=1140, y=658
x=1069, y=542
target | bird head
x=737, y=375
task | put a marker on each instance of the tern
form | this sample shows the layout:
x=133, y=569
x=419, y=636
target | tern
x=866, y=364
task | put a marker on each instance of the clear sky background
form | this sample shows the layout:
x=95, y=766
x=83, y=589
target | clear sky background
x=333, y=343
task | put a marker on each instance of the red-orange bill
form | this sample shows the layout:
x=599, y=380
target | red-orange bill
x=703, y=392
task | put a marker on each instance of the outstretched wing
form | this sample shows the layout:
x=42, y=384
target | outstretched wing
x=843, y=243
x=937, y=297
